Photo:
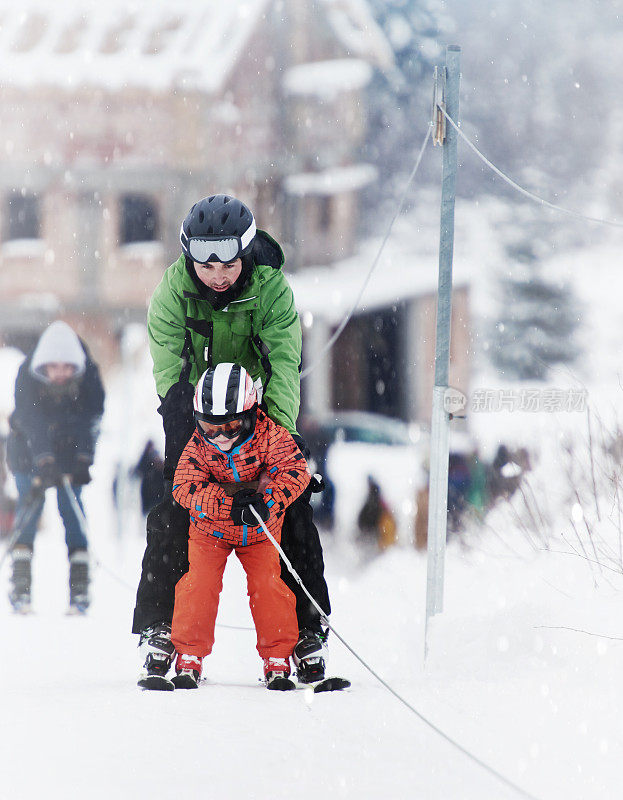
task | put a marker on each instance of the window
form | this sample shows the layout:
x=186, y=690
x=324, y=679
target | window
x=139, y=219
x=22, y=216
x=325, y=213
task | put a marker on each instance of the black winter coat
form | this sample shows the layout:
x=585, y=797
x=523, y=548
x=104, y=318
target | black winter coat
x=47, y=421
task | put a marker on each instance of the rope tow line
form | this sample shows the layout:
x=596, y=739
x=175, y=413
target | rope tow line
x=520, y=189
x=384, y=683
x=324, y=350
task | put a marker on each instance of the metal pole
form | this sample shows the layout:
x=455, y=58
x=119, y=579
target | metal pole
x=439, y=446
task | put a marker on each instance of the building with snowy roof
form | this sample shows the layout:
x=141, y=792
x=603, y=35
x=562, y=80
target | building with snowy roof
x=118, y=116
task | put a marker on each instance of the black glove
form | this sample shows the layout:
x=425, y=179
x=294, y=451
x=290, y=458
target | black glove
x=241, y=506
x=317, y=483
x=80, y=474
x=47, y=473
x=302, y=445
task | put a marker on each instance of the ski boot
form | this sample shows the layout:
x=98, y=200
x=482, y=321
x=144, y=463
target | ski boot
x=188, y=671
x=277, y=674
x=309, y=656
x=156, y=646
x=79, y=599
x=21, y=558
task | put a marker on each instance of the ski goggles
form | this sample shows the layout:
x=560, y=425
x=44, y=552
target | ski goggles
x=204, y=249
x=229, y=429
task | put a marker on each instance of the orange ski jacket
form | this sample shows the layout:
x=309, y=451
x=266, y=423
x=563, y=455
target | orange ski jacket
x=204, y=466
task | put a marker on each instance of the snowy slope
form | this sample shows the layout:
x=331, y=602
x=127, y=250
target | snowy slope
x=524, y=668
x=540, y=704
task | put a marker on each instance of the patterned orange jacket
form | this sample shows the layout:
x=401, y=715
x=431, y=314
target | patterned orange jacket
x=203, y=467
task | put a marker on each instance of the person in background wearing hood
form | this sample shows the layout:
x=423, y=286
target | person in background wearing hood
x=225, y=299
x=59, y=402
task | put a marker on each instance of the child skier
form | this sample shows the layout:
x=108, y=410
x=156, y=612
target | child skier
x=234, y=442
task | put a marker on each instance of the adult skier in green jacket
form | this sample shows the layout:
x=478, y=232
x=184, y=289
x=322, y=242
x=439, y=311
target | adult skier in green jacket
x=224, y=300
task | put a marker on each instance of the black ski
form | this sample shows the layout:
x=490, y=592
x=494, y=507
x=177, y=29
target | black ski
x=333, y=684
x=156, y=683
x=281, y=684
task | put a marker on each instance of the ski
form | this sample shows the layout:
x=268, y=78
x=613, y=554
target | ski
x=156, y=683
x=186, y=680
x=333, y=684
x=281, y=684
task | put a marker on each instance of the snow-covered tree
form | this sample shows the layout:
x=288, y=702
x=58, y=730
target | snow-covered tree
x=537, y=318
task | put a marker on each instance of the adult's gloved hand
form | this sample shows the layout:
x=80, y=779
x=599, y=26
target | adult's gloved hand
x=243, y=502
x=80, y=474
x=302, y=445
x=167, y=518
x=47, y=472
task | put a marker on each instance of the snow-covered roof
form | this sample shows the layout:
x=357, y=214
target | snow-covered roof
x=405, y=271
x=327, y=79
x=120, y=43
x=157, y=44
x=331, y=181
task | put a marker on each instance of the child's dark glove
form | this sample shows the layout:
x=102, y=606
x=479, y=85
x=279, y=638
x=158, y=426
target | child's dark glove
x=241, y=506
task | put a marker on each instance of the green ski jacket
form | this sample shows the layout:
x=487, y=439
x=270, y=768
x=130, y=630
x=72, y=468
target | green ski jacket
x=260, y=330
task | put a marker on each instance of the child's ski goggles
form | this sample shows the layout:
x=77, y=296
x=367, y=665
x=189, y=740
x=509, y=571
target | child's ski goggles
x=228, y=429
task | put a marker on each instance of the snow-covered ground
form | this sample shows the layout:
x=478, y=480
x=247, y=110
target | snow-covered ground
x=506, y=677
x=524, y=666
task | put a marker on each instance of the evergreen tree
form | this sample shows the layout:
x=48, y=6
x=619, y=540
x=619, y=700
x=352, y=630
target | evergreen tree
x=537, y=322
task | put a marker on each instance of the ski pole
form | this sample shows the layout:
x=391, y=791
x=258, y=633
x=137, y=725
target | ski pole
x=73, y=500
x=69, y=489
x=25, y=516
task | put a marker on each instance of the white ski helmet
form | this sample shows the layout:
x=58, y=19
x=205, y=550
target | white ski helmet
x=226, y=393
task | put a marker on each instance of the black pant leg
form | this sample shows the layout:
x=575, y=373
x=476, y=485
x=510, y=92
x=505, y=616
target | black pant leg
x=164, y=563
x=301, y=544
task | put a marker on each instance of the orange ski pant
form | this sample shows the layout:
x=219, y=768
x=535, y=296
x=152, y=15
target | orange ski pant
x=273, y=605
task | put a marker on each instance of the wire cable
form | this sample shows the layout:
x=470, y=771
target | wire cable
x=520, y=189
x=384, y=683
x=325, y=349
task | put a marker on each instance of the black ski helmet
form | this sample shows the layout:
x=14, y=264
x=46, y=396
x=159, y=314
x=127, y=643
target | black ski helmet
x=217, y=228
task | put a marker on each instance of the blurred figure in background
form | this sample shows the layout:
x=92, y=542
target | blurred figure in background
x=477, y=494
x=458, y=489
x=59, y=402
x=7, y=503
x=506, y=472
x=149, y=471
x=375, y=521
